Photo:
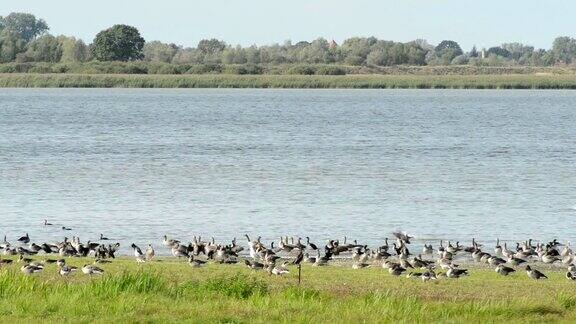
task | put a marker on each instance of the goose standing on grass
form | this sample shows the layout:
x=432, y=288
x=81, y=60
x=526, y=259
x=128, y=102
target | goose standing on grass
x=24, y=239
x=427, y=249
x=498, y=248
x=140, y=258
x=91, y=270
x=535, y=274
x=150, y=253
x=279, y=270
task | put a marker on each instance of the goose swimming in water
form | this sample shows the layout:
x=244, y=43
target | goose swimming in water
x=47, y=224
x=103, y=238
x=535, y=274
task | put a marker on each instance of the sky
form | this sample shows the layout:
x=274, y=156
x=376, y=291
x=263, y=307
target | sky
x=483, y=23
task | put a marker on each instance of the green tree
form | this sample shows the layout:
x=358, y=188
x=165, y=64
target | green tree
x=43, y=49
x=447, y=50
x=73, y=50
x=10, y=46
x=499, y=51
x=564, y=49
x=157, y=51
x=118, y=43
x=24, y=25
x=211, y=46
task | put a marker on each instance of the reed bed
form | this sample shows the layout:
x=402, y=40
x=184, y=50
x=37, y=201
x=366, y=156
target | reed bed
x=172, y=291
x=513, y=81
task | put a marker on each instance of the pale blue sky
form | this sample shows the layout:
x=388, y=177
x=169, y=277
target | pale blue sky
x=484, y=22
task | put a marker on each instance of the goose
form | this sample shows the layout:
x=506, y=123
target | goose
x=24, y=239
x=4, y=244
x=414, y=275
x=516, y=261
x=360, y=265
x=90, y=270
x=428, y=275
x=21, y=258
x=31, y=269
x=384, y=247
x=445, y=263
x=441, y=249
x=280, y=270
x=456, y=273
x=547, y=258
x=299, y=258
x=252, y=246
x=65, y=270
x=46, y=223
x=309, y=259
x=503, y=270
x=169, y=242
x=506, y=252
x=403, y=237
x=427, y=249
x=567, y=259
x=103, y=238
x=570, y=276
x=453, y=249
x=534, y=274
x=140, y=258
x=60, y=263
x=396, y=270
x=322, y=261
x=254, y=265
x=566, y=250
x=64, y=228
x=150, y=253
x=195, y=263
x=311, y=245
x=495, y=261
x=498, y=248
x=572, y=268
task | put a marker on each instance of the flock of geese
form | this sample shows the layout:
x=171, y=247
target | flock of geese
x=430, y=264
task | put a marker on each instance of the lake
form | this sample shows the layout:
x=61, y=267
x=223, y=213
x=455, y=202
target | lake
x=137, y=164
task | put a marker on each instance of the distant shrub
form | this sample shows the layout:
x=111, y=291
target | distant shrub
x=302, y=69
x=330, y=70
x=204, y=68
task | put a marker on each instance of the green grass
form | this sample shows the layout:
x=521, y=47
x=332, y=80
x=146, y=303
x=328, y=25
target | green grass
x=172, y=291
x=371, y=81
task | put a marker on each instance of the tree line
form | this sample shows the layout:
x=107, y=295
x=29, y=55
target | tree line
x=25, y=38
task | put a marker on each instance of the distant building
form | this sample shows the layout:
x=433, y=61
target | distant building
x=483, y=53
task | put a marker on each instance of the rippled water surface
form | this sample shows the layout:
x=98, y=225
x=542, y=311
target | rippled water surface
x=136, y=164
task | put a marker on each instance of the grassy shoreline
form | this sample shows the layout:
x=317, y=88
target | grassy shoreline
x=371, y=81
x=172, y=291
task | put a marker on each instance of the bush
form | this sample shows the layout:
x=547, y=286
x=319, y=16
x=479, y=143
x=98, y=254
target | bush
x=330, y=70
x=302, y=69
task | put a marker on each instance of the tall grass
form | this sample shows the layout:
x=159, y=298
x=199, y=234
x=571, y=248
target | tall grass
x=514, y=81
x=172, y=291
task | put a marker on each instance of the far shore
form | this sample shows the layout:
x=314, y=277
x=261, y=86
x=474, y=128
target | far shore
x=351, y=81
